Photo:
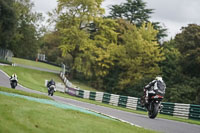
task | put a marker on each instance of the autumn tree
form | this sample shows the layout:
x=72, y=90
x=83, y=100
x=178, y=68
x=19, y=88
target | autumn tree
x=141, y=55
x=87, y=37
x=137, y=59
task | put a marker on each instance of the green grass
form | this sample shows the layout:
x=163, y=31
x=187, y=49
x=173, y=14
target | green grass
x=35, y=64
x=4, y=89
x=50, y=67
x=83, y=86
x=22, y=116
x=5, y=62
x=30, y=78
x=34, y=79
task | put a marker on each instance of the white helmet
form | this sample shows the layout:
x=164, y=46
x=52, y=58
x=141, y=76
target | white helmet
x=159, y=78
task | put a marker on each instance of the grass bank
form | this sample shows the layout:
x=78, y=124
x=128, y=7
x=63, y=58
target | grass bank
x=21, y=116
x=35, y=64
x=30, y=78
x=4, y=89
x=83, y=86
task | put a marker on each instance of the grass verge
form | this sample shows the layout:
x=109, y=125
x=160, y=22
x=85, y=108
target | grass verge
x=4, y=89
x=83, y=86
x=35, y=64
x=22, y=116
x=30, y=78
x=50, y=67
x=5, y=62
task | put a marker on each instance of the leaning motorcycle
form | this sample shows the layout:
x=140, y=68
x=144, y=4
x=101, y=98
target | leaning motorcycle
x=51, y=90
x=13, y=83
x=153, y=104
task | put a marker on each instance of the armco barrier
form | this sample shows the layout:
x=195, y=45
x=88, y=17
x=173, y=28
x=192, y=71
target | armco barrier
x=139, y=107
x=72, y=91
x=188, y=111
x=181, y=110
x=80, y=93
x=92, y=95
x=106, y=98
x=194, y=112
x=114, y=99
x=132, y=103
x=99, y=96
x=86, y=94
x=122, y=101
x=168, y=108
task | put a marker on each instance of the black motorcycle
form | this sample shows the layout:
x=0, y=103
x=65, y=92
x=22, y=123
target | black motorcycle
x=152, y=98
x=51, y=90
x=13, y=83
x=154, y=105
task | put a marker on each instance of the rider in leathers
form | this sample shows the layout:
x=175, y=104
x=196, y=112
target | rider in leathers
x=14, y=77
x=51, y=82
x=152, y=88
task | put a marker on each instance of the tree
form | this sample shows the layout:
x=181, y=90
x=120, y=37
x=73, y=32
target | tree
x=75, y=42
x=49, y=47
x=92, y=57
x=141, y=55
x=25, y=43
x=180, y=67
x=72, y=22
x=171, y=69
x=7, y=23
x=105, y=42
x=187, y=43
x=77, y=13
x=135, y=12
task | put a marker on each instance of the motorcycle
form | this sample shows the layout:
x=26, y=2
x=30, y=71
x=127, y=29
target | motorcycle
x=13, y=83
x=51, y=90
x=154, y=105
x=152, y=102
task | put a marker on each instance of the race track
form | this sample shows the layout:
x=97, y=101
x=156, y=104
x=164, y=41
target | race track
x=158, y=124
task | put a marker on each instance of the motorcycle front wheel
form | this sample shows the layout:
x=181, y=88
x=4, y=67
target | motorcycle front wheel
x=13, y=85
x=153, y=110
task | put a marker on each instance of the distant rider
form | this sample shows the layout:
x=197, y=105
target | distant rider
x=50, y=83
x=14, y=77
x=157, y=86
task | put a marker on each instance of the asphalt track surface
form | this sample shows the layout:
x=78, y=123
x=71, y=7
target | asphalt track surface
x=158, y=124
x=36, y=68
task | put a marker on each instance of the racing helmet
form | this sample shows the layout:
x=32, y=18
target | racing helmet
x=159, y=78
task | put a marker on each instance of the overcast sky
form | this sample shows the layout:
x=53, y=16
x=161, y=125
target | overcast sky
x=173, y=14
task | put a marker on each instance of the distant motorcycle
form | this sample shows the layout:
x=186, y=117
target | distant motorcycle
x=13, y=83
x=51, y=90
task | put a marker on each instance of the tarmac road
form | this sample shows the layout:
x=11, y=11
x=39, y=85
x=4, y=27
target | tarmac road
x=37, y=68
x=158, y=124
